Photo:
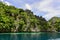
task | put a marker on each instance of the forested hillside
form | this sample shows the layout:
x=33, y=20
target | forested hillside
x=55, y=24
x=14, y=19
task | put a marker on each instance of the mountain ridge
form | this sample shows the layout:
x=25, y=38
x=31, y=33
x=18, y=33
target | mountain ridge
x=14, y=19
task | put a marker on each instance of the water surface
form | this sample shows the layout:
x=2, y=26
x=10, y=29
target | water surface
x=30, y=36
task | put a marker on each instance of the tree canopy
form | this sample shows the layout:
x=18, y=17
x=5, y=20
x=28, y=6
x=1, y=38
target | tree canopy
x=14, y=19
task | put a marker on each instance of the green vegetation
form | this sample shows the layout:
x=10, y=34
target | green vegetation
x=55, y=24
x=13, y=19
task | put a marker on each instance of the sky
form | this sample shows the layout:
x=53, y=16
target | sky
x=45, y=8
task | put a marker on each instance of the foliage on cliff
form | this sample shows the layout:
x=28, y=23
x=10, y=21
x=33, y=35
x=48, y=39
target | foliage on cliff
x=14, y=19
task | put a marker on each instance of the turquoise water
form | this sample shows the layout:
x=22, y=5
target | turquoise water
x=29, y=36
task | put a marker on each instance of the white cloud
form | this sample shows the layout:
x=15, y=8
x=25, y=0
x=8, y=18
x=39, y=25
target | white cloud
x=28, y=6
x=7, y=3
x=2, y=0
x=49, y=6
x=51, y=14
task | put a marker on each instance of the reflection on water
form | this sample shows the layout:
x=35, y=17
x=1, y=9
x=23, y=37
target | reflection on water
x=34, y=36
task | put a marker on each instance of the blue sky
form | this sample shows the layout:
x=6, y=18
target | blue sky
x=44, y=8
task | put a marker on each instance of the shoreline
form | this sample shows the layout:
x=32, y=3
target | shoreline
x=30, y=33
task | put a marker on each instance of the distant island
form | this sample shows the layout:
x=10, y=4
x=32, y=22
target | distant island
x=14, y=20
